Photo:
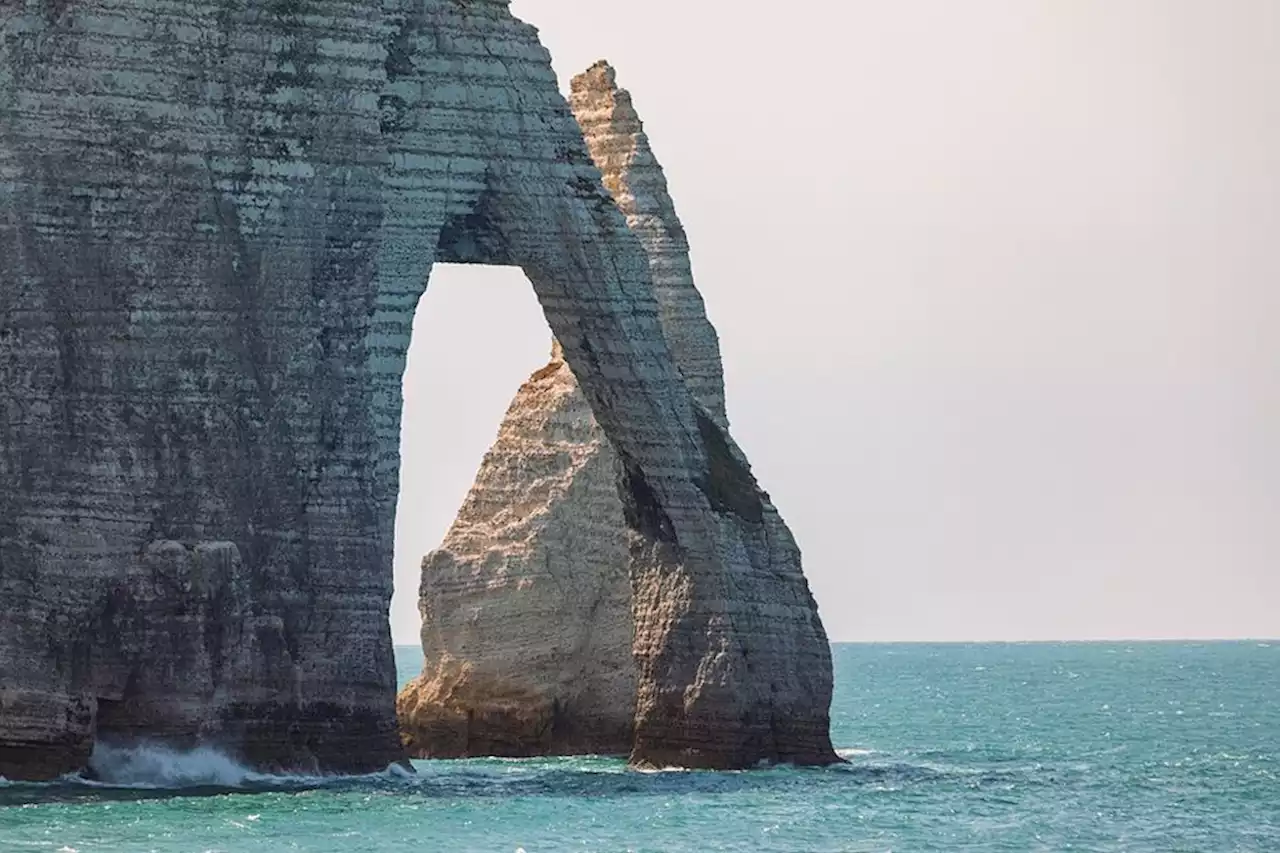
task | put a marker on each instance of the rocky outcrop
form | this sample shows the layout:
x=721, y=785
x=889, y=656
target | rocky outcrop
x=216, y=220
x=620, y=148
x=189, y=603
x=559, y=616
x=526, y=608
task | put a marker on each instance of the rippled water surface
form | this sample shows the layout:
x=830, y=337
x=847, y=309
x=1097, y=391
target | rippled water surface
x=1161, y=748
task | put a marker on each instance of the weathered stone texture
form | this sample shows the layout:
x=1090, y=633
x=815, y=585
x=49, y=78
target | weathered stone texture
x=559, y=616
x=620, y=148
x=216, y=219
x=190, y=206
x=526, y=653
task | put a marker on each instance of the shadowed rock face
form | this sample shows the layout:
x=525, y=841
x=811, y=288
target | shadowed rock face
x=557, y=618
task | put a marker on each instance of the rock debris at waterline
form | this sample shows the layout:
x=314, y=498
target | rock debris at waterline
x=546, y=609
x=215, y=223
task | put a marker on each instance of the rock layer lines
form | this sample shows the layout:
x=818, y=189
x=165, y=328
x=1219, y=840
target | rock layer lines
x=560, y=616
x=216, y=220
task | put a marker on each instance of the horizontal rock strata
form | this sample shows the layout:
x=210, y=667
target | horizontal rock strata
x=527, y=608
x=560, y=614
x=216, y=221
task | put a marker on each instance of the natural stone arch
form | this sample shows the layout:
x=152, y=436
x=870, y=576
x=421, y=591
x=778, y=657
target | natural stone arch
x=216, y=221
x=537, y=624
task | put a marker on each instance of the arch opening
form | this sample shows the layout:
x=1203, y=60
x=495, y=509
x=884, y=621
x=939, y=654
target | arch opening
x=478, y=332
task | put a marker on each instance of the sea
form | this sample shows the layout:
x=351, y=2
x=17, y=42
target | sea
x=1108, y=747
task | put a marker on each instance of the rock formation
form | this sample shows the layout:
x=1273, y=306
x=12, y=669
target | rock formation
x=216, y=220
x=526, y=608
x=556, y=619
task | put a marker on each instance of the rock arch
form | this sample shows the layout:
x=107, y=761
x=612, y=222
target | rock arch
x=215, y=223
x=538, y=618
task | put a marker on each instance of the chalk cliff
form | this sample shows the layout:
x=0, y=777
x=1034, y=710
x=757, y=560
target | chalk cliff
x=216, y=220
x=556, y=619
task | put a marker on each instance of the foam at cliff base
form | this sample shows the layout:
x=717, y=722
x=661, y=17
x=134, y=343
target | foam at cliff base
x=854, y=752
x=156, y=766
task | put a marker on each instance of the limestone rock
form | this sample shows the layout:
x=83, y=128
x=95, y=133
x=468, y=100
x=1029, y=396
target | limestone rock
x=216, y=220
x=557, y=619
x=620, y=148
x=527, y=609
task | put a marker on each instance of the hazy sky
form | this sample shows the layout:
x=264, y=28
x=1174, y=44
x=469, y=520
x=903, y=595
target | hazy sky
x=997, y=285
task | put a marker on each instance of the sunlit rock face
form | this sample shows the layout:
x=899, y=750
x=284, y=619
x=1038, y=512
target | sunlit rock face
x=569, y=609
x=526, y=608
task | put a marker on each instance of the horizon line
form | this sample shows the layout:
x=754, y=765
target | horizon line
x=1268, y=641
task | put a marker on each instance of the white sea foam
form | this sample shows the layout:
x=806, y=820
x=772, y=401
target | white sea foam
x=854, y=752
x=650, y=770
x=155, y=766
x=151, y=765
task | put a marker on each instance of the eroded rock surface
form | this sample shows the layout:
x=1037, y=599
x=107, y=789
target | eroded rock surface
x=527, y=607
x=560, y=615
x=620, y=148
x=215, y=222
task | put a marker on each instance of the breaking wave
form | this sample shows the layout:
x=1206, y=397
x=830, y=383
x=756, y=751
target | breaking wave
x=156, y=766
x=144, y=771
x=855, y=752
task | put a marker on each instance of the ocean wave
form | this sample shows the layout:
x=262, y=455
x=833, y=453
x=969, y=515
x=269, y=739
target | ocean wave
x=155, y=771
x=855, y=752
x=158, y=766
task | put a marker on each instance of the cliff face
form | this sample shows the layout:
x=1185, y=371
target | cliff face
x=558, y=615
x=215, y=222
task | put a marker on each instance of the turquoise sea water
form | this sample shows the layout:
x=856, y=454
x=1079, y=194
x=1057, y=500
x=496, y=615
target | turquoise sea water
x=1078, y=747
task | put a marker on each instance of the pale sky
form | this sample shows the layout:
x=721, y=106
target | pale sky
x=996, y=283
